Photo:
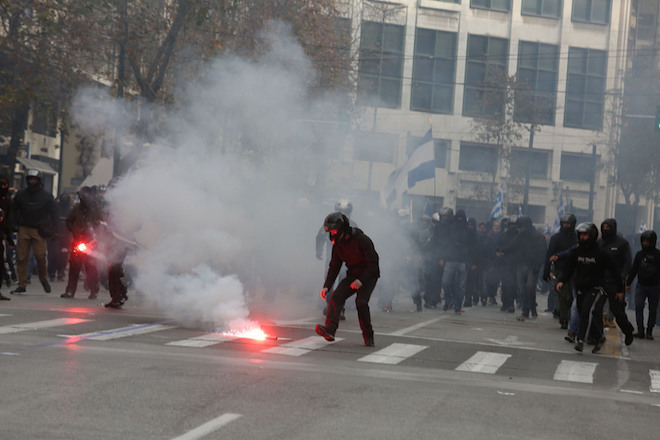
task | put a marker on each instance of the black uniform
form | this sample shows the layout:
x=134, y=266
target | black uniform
x=559, y=242
x=646, y=267
x=358, y=252
x=588, y=264
x=619, y=249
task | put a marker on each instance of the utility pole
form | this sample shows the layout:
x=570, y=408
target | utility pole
x=592, y=183
x=532, y=129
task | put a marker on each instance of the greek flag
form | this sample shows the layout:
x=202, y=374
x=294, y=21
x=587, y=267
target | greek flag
x=419, y=166
x=643, y=227
x=560, y=212
x=496, y=212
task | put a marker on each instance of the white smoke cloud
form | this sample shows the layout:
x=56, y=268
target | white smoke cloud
x=213, y=222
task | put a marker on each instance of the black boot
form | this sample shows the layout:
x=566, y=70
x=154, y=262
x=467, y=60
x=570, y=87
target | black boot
x=649, y=334
x=640, y=333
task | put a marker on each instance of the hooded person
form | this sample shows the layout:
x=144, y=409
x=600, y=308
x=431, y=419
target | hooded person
x=646, y=268
x=619, y=249
x=563, y=240
x=460, y=245
x=34, y=215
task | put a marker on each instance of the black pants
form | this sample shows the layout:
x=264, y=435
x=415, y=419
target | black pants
x=76, y=261
x=590, y=303
x=618, y=309
x=339, y=297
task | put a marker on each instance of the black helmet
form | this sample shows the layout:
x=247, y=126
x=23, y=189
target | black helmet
x=33, y=178
x=589, y=228
x=649, y=235
x=344, y=206
x=86, y=195
x=337, y=226
x=568, y=218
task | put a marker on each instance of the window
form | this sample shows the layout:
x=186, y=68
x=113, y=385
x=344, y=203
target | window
x=542, y=8
x=474, y=157
x=576, y=167
x=536, y=160
x=486, y=65
x=591, y=11
x=537, y=70
x=585, y=88
x=336, y=72
x=434, y=71
x=441, y=146
x=381, y=64
x=375, y=147
x=497, y=5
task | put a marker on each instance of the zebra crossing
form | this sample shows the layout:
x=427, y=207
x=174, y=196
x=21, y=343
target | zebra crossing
x=483, y=362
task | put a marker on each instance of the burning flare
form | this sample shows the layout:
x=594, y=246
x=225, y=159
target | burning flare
x=246, y=329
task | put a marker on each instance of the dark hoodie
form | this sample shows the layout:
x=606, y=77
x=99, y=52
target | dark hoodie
x=563, y=240
x=358, y=252
x=646, y=265
x=460, y=239
x=617, y=247
x=528, y=247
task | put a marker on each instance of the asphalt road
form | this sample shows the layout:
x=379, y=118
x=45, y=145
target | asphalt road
x=72, y=369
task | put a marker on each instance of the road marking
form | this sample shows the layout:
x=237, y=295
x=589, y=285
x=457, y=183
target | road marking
x=203, y=340
x=484, y=362
x=208, y=427
x=571, y=371
x=655, y=381
x=412, y=328
x=393, y=354
x=16, y=328
x=300, y=347
x=123, y=332
x=509, y=341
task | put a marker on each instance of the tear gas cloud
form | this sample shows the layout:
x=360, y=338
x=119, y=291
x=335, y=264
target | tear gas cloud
x=213, y=221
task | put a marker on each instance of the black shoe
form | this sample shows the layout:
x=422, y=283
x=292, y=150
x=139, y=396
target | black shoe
x=564, y=325
x=629, y=338
x=445, y=307
x=4, y=298
x=570, y=337
x=640, y=333
x=419, y=307
x=430, y=306
x=322, y=331
x=598, y=345
x=649, y=335
x=46, y=286
x=18, y=290
x=522, y=317
x=484, y=302
x=66, y=295
x=113, y=305
x=467, y=303
x=492, y=302
x=93, y=296
x=369, y=340
x=579, y=346
x=534, y=314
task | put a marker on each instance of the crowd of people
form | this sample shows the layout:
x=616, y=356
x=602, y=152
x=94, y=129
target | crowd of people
x=447, y=260
x=53, y=234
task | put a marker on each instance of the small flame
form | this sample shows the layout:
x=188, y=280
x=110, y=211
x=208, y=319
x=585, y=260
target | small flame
x=81, y=247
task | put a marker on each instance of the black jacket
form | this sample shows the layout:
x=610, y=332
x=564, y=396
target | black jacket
x=619, y=249
x=561, y=241
x=646, y=267
x=35, y=209
x=588, y=266
x=358, y=252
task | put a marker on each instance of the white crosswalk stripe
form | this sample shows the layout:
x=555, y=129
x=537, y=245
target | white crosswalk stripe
x=300, y=347
x=655, y=381
x=123, y=332
x=484, y=362
x=571, y=371
x=393, y=354
x=16, y=328
x=203, y=341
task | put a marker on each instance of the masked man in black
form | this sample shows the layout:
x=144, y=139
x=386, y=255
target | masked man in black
x=355, y=248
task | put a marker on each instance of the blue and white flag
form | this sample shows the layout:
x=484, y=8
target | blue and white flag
x=643, y=227
x=419, y=166
x=520, y=213
x=560, y=212
x=496, y=212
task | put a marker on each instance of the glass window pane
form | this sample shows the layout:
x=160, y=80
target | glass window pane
x=393, y=38
x=573, y=113
x=502, y=5
x=595, y=86
x=548, y=56
x=444, y=71
x=596, y=62
x=370, y=37
x=593, y=115
x=446, y=45
x=392, y=66
x=531, y=6
x=581, y=10
x=421, y=96
x=423, y=69
x=551, y=8
x=477, y=47
x=497, y=50
x=390, y=93
x=576, y=60
x=547, y=82
x=475, y=74
x=442, y=98
x=600, y=11
x=425, y=43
